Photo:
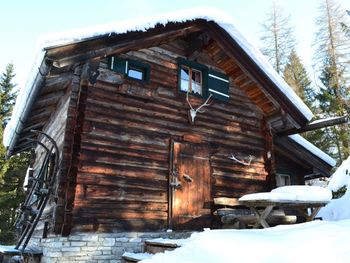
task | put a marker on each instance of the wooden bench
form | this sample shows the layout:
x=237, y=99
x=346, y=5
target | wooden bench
x=235, y=215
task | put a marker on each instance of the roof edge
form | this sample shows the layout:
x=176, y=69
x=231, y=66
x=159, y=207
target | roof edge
x=313, y=149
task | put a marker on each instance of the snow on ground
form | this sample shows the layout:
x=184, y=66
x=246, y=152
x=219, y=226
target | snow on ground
x=317, y=241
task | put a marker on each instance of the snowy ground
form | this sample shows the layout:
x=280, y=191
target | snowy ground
x=317, y=241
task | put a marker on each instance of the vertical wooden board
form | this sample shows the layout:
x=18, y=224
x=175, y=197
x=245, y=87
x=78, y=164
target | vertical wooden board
x=192, y=170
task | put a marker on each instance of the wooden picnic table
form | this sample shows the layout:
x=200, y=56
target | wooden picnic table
x=268, y=205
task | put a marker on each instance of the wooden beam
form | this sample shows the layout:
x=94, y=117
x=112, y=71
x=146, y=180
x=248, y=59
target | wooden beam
x=318, y=124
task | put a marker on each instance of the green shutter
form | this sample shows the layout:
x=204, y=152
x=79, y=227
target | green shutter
x=117, y=64
x=218, y=85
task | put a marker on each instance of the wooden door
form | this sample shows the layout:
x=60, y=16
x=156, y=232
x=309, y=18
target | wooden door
x=190, y=186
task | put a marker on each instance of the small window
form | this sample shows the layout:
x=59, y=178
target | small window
x=282, y=179
x=191, y=80
x=136, y=73
x=130, y=68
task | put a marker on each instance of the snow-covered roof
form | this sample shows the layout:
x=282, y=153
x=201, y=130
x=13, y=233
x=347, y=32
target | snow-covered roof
x=313, y=149
x=23, y=103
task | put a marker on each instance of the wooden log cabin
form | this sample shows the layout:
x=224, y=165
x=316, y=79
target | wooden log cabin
x=156, y=118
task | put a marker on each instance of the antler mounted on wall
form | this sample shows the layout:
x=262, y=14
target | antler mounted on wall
x=193, y=112
x=232, y=157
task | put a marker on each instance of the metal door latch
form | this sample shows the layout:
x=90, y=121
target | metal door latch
x=176, y=184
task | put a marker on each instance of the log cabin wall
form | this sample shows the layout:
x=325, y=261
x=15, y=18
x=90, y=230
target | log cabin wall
x=128, y=128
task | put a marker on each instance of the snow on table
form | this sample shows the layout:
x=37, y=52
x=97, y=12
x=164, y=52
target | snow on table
x=316, y=241
x=292, y=193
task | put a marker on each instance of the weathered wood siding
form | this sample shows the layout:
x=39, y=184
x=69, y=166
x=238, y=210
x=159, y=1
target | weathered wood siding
x=122, y=179
x=58, y=89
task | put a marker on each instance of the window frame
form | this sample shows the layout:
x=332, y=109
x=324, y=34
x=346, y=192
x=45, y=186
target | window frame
x=191, y=65
x=124, y=65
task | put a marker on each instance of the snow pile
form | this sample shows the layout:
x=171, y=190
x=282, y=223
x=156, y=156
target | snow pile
x=338, y=209
x=341, y=176
x=288, y=244
x=143, y=24
x=301, y=193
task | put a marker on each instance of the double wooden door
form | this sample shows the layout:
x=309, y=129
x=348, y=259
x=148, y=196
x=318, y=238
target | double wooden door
x=189, y=185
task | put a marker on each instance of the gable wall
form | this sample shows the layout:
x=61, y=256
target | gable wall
x=122, y=180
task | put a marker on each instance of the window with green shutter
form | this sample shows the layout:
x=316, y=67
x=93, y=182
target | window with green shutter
x=199, y=80
x=131, y=69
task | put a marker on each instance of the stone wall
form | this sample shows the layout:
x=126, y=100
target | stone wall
x=96, y=247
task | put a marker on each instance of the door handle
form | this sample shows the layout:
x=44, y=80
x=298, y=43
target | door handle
x=188, y=178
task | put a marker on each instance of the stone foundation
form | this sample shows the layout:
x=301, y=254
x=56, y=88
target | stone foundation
x=96, y=247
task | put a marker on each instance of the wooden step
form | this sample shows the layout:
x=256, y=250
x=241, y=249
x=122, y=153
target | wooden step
x=160, y=245
x=135, y=257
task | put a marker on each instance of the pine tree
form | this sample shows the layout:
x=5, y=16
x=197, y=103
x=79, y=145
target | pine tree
x=11, y=191
x=346, y=27
x=333, y=54
x=277, y=38
x=12, y=171
x=296, y=76
x=7, y=93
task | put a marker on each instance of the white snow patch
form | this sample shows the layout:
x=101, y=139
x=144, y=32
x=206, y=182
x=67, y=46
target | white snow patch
x=9, y=249
x=139, y=256
x=142, y=24
x=306, y=193
x=338, y=209
x=341, y=176
x=312, y=148
x=300, y=193
x=316, y=241
x=166, y=241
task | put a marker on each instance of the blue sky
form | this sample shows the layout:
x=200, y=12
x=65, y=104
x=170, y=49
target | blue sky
x=22, y=22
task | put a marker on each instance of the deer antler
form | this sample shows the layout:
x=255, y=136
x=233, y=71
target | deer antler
x=232, y=157
x=193, y=112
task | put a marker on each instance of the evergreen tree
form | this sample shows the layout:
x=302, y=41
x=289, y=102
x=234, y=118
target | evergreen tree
x=277, y=38
x=296, y=76
x=7, y=93
x=333, y=54
x=12, y=171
